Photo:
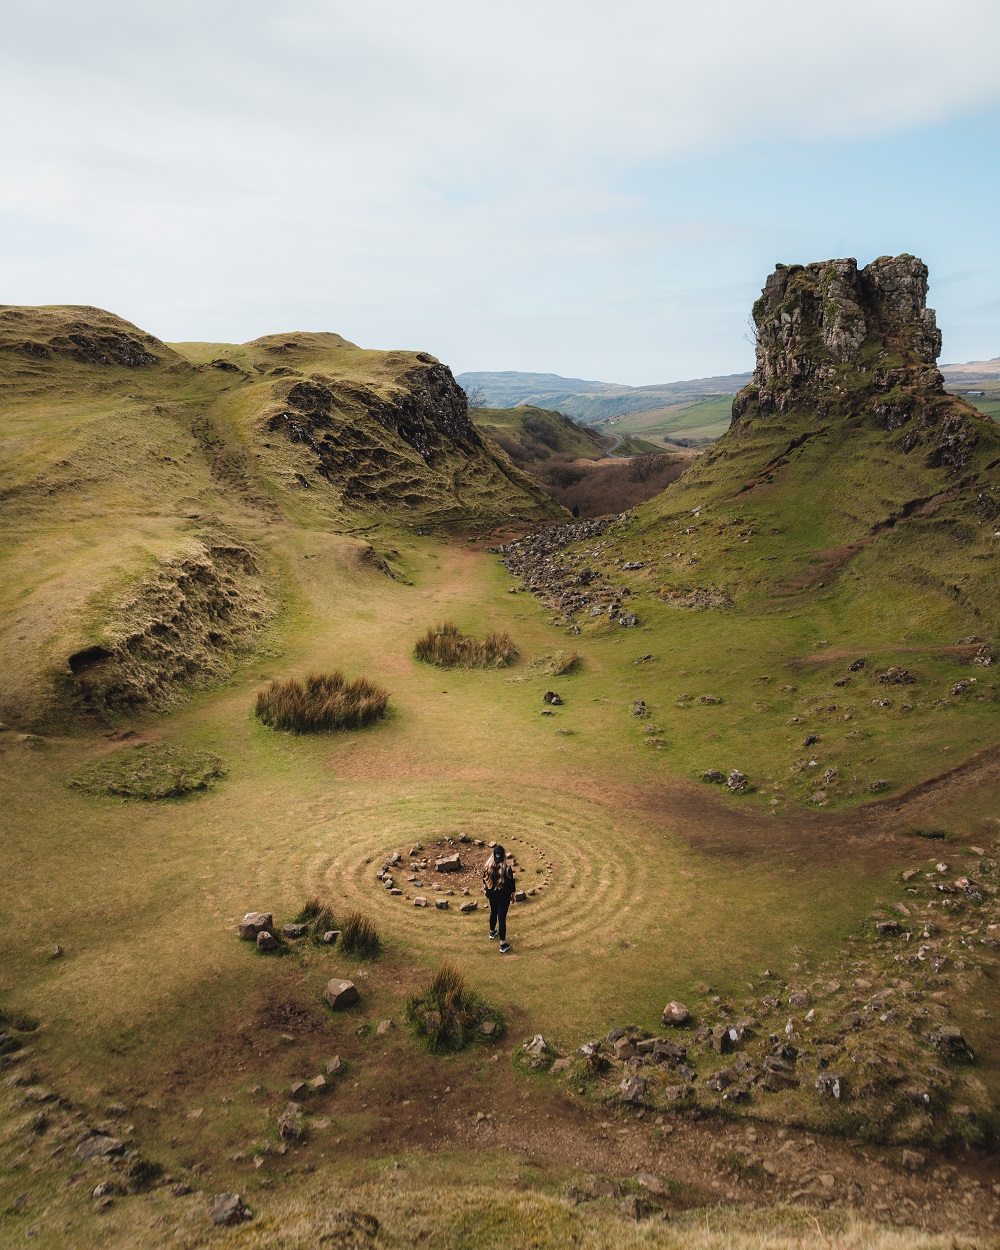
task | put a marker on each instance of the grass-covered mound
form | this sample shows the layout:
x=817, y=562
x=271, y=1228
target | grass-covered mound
x=149, y=772
x=450, y=1015
x=322, y=703
x=446, y=647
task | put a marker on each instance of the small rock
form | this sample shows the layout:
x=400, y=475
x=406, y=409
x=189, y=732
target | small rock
x=441, y=904
x=383, y=1027
x=334, y=1064
x=713, y=776
x=331, y=936
x=830, y=1085
x=99, y=1146
x=520, y=896
x=536, y=1047
x=913, y=1160
x=737, y=781
x=294, y=931
x=420, y=901
x=228, y=1209
x=266, y=941
x=624, y=1048
x=552, y=698
x=633, y=1090
x=255, y=922
x=675, y=1013
x=561, y=1065
x=56, y=952
x=340, y=993
x=104, y=1189
x=488, y=1028
x=471, y=905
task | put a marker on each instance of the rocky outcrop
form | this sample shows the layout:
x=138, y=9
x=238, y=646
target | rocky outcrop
x=184, y=622
x=850, y=342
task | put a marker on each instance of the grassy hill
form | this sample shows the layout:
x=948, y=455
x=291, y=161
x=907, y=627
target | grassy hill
x=140, y=484
x=687, y=424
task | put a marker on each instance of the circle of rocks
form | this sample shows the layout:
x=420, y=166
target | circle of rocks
x=594, y=880
x=411, y=875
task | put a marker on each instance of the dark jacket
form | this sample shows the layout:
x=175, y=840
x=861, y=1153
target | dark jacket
x=498, y=878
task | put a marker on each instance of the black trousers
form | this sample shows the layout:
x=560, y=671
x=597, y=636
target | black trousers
x=499, y=905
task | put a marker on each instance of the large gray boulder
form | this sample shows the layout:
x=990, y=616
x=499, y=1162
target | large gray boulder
x=449, y=863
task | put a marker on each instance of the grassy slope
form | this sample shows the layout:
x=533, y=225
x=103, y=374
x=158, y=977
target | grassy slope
x=706, y=419
x=110, y=471
x=803, y=610
x=538, y=433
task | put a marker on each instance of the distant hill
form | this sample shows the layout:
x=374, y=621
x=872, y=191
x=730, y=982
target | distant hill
x=531, y=435
x=591, y=401
x=971, y=372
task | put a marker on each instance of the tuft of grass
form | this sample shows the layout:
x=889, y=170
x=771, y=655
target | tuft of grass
x=323, y=703
x=445, y=646
x=149, y=772
x=318, y=916
x=448, y=1014
x=556, y=664
x=359, y=936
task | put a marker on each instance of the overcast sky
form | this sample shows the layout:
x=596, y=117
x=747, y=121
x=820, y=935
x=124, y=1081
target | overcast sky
x=566, y=186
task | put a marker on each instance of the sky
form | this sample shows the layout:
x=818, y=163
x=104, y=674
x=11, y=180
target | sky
x=560, y=186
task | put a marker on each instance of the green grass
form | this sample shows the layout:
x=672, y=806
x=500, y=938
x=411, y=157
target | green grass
x=703, y=421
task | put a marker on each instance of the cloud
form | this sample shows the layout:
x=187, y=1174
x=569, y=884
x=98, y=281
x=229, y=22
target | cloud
x=381, y=163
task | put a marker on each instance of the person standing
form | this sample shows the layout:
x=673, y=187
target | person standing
x=499, y=887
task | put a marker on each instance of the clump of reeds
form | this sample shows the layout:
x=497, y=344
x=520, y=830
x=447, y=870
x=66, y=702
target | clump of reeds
x=358, y=936
x=445, y=646
x=323, y=702
x=448, y=1014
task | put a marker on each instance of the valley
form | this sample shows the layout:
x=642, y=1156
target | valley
x=765, y=793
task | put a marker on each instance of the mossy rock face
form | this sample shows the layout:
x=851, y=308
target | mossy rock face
x=150, y=772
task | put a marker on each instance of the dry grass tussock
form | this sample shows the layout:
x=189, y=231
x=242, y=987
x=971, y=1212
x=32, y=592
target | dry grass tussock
x=318, y=916
x=556, y=664
x=359, y=936
x=448, y=1014
x=446, y=647
x=323, y=702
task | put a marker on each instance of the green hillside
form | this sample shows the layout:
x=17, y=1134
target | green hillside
x=684, y=424
x=530, y=435
x=140, y=485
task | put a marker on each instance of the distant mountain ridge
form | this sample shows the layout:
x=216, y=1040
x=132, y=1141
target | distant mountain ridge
x=592, y=401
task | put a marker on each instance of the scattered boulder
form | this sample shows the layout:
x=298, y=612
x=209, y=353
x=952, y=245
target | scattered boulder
x=628, y=620
x=737, y=781
x=419, y=901
x=441, y=904
x=633, y=1090
x=520, y=896
x=552, y=698
x=888, y=928
x=340, y=993
x=449, y=863
x=228, y=1209
x=948, y=1039
x=470, y=905
x=536, y=1047
x=330, y=937
x=713, y=776
x=294, y=931
x=266, y=941
x=913, y=1160
x=675, y=1013
x=255, y=922
x=639, y=708
x=291, y=1126
x=624, y=1048
x=99, y=1146
x=830, y=1085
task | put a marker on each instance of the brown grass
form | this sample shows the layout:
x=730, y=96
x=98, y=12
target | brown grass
x=448, y=1013
x=324, y=702
x=605, y=487
x=446, y=647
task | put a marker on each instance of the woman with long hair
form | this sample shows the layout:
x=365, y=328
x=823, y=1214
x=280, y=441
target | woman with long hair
x=499, y=887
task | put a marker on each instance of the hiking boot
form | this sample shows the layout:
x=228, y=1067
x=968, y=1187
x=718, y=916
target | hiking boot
x=504, y=948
